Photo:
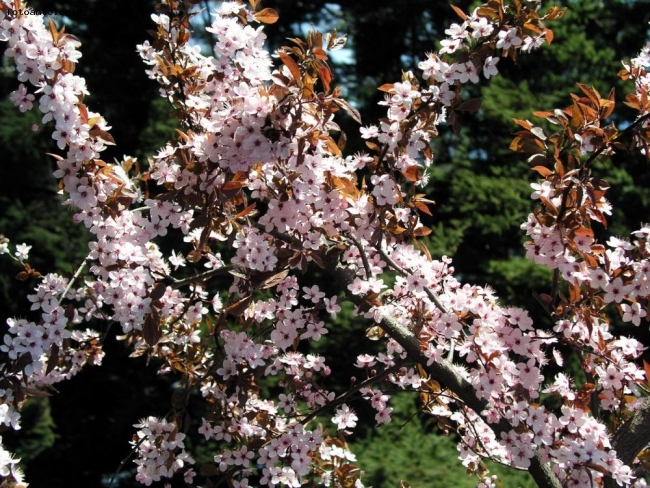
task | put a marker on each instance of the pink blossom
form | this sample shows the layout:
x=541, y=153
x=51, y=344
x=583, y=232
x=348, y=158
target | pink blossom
x=481, y=28
x=508, y=38
x=365, y=361
x=345, y=418
x=490, y=67
x=616, y=291
x=633, y=313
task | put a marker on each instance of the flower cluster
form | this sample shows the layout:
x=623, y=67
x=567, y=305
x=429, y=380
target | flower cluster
x=160, y=451
x=471, y=49
x=8, y=465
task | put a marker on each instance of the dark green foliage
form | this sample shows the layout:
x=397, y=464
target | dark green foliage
x=411, y=449
x=519, y=278
x=25, y=172
x=38, y=430
x=31, y=209
x=159, y=129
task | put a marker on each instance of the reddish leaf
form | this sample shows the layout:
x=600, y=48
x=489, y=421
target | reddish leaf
x=352, y=112
x=527, y=143
x=487, y=12
x=320, y=53
x=55, y=156
x=609, y=104
x=388, y=88
x=332, y=147
x=421, y=231
x=325, y=76
x=577, y=116
x=237, y=308
x=523, y=123
x=646, y=367
x=291, y=64
x=575, y=294
x=151, y=329
x=597, y=215
x=22, y=276
x=53, y=31
x=273, y=280
x=555, y=13
x=24, y=360
x=632, y=101
x=267, y=16
x=548, y=33
x=471, y=105
x=317, y=257
x=345, y=186
x=102, y=135
x=83, y=111
x=423, y=208
x=427, y=153
x=53, y=359
x=194, y=256
x=459, y=12
x=532, y=27
x=158, y=291
x=591, y=93
x=372, y=146
x=584, y=232
x=412, y=173
x=246, y=211
x=33, y=392
x=183, y=135
x=547, y=203
x=233, y=185
x=559, y=167
x=542, y=170
x=343, y=140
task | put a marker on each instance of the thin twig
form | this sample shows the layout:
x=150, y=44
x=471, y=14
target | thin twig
x=344, y=396
x=364, y=258
x=74, y=278
x=396, y=267
x=202, y=276
x=124, y=461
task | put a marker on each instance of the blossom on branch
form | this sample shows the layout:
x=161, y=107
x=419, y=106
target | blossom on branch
x=257, y=192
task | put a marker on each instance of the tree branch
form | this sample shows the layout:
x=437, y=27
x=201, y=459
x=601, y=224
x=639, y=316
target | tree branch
x=447, y=373
x=631, y=438
x=74, y=278
x=190, y=280
x=443, y=371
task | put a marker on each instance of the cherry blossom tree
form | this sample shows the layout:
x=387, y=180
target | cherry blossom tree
x=258, y=192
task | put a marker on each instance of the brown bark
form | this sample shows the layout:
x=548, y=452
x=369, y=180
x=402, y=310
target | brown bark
x=631, y=438
x=443, y=371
